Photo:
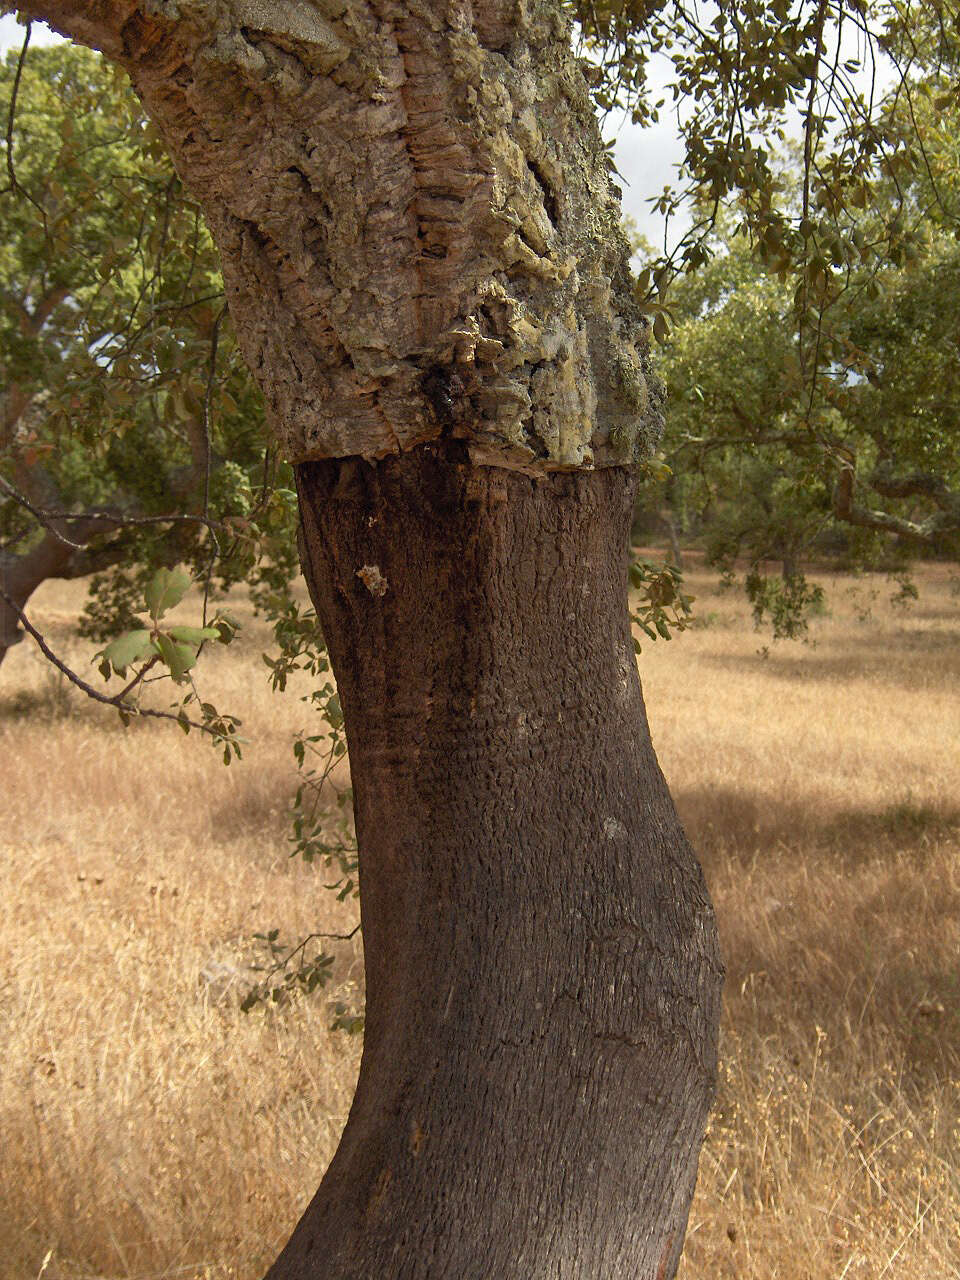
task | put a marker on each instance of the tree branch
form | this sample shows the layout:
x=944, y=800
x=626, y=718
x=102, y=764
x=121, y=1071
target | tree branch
x=917, y=484
x=96, y=23
x=45, y=516
x=846, y=508
x=117, y=699
x=16, y=187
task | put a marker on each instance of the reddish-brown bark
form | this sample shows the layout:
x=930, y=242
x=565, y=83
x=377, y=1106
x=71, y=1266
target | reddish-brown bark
x=542, y=968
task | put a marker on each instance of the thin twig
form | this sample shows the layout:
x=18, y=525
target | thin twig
x=138, y=678
x=334, y=937
x=15, y=185
x=208, y=458
x=808, y=155
x=116, y=700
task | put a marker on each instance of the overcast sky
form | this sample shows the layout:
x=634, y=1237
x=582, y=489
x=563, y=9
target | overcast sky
x=645, y=158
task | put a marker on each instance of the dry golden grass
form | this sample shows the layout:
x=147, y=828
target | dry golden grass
x=148, y=1128
x=821, y=786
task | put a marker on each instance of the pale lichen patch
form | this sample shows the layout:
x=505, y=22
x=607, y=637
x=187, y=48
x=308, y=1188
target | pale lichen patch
x=373, y=579
x=291, y=21
x=614, y=829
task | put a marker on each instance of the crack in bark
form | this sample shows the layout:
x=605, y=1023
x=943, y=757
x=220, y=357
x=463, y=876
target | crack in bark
x=550, y=202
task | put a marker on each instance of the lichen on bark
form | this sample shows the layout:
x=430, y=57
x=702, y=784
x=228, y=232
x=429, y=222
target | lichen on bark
x=419, y=233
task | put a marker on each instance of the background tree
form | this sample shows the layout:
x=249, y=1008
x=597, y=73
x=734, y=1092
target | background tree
x=890, y=404
x=770, y=463
x=132, y=435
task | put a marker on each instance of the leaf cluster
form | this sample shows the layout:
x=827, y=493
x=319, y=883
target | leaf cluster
x=842, y=92
x=173, y=649
x=661, y=606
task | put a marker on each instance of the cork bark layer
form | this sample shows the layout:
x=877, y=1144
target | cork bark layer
x=541, y=957
x=419, y=234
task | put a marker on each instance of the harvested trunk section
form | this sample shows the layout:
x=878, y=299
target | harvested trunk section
x=542, y=969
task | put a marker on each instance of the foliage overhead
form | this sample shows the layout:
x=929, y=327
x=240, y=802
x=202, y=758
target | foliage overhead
x=847, y=82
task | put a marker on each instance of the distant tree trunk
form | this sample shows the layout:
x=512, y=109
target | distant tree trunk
x=541, y=958
x=21, y=575
x=676, y=553
x=19, y=593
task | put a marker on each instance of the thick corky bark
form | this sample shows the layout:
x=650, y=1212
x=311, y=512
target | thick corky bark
x=542, y=969
x=418, y=230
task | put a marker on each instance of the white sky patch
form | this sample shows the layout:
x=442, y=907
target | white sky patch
x=647, y=159
x=11, y=34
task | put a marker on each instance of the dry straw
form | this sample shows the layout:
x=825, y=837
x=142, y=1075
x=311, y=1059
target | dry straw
x=150, y=1129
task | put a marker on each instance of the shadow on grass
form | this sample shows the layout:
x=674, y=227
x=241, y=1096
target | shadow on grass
x=739, y=826
x=937, y=613
x=56, y=699
x=903, y=661
x=842, y=920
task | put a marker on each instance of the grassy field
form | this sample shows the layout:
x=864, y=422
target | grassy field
x=148, y=1128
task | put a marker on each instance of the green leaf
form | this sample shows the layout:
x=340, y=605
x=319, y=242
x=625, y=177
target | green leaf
x=126, y=650
x=227, y=627
x=165, y=590
x=178, y=657
x=194, y=635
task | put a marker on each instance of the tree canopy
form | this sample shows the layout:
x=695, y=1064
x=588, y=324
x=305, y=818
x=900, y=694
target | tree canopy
x=132, y=434
x=870, y=447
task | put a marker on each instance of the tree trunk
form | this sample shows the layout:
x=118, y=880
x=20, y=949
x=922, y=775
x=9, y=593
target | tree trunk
x=676, y=553
x=21, y=575
x=542, y=969
x=10, y=633
x=19, y=578
x=423, y=256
